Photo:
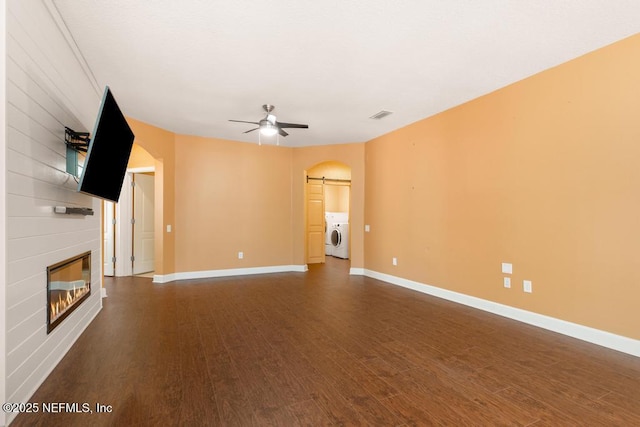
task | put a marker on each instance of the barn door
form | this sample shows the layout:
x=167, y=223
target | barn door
x=315, y=222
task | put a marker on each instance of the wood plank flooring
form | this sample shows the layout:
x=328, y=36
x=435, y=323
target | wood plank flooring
x=323, y=348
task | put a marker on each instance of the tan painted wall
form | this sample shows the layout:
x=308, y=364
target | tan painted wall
x=336, y=198
x=140, y=158
x=231, y=197
x=543, y=173
x=222, y=197
x=305, y=158
x=330, y=170
x=160, y=145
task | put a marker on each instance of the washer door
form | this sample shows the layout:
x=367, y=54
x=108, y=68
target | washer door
x=336, y=238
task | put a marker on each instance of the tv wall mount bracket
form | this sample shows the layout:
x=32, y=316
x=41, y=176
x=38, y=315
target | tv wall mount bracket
x=79, y=141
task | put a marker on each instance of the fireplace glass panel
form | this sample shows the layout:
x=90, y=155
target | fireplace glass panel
x=68, y=285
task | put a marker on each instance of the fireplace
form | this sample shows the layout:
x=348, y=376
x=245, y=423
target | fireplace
x=68, y=285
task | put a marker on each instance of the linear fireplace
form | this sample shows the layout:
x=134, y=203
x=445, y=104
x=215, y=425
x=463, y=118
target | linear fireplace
x=68, y=285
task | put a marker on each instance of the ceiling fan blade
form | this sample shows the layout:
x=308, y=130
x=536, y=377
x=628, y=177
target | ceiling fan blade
x=244, y=121
x=292, y=125
x=251, y=130
x=282, y=132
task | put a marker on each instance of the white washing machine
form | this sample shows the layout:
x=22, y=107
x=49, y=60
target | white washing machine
x=328, y=226
x=340, y=240
x=340, y=216
x=331, y=218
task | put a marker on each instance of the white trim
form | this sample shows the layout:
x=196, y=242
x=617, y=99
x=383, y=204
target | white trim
x=145, y=169
x=356, y=271
x=584, y=333
x=103, y=292
x=207, y=274
x=164, y=278
x=124, y=230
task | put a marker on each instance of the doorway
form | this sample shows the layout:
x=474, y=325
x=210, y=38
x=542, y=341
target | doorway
x=327, y=207
x=133, y=225
x=143, y=257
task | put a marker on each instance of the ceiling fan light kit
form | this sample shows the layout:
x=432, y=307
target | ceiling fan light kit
x=268, y=129
x=269, y=126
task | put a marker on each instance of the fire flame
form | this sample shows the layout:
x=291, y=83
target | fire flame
x=64, y=303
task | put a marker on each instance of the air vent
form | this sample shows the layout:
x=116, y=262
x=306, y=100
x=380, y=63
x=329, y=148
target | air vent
x=381, y=114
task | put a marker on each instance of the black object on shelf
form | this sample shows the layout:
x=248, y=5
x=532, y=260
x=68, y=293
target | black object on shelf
x=72, y=210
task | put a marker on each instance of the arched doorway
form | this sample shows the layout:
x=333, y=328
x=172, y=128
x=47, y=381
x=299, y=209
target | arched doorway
x=327, y=207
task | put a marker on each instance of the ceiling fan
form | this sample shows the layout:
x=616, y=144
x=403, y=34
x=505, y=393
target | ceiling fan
x=269, y=126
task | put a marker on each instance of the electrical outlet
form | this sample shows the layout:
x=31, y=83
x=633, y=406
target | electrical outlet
x=527, y=287
x=394, y=261
x=168, y=228
x=507, y=268
x=507, y=282
x=240, y=255
x=367, y=228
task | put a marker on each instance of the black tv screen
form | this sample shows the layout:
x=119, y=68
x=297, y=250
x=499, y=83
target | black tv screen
x=108, y=153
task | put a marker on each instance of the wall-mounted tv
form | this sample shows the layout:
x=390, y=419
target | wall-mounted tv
x=108, y=153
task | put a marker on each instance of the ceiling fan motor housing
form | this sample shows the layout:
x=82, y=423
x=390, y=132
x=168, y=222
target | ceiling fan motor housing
x=269, y=125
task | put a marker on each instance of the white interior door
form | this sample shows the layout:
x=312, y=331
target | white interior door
x=108, y=239
x=143, y=223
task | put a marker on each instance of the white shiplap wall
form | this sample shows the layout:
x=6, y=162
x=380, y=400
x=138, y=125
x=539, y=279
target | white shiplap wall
x=46, y=90
x=3, y=210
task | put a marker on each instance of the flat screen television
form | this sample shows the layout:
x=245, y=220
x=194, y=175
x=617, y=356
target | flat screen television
x=108, y=153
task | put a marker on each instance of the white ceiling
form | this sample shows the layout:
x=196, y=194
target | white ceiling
x=190, y=65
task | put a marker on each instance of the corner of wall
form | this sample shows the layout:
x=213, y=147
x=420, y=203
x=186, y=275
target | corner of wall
x=3, y=209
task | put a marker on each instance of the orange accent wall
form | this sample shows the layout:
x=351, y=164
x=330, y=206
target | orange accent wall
x=140, y=158
x=222, y=197
x=543, y=173
x=159, y=144
x=330, y=170
x=231, y=197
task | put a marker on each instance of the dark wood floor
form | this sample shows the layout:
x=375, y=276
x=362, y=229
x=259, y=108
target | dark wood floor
x=326, y=348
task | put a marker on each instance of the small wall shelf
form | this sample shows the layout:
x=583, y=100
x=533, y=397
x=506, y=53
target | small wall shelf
x=68, y=210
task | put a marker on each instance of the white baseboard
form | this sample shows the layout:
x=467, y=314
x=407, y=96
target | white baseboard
x=584, y=333
x=356, y=271
x=207, y=274
x=103, y=292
